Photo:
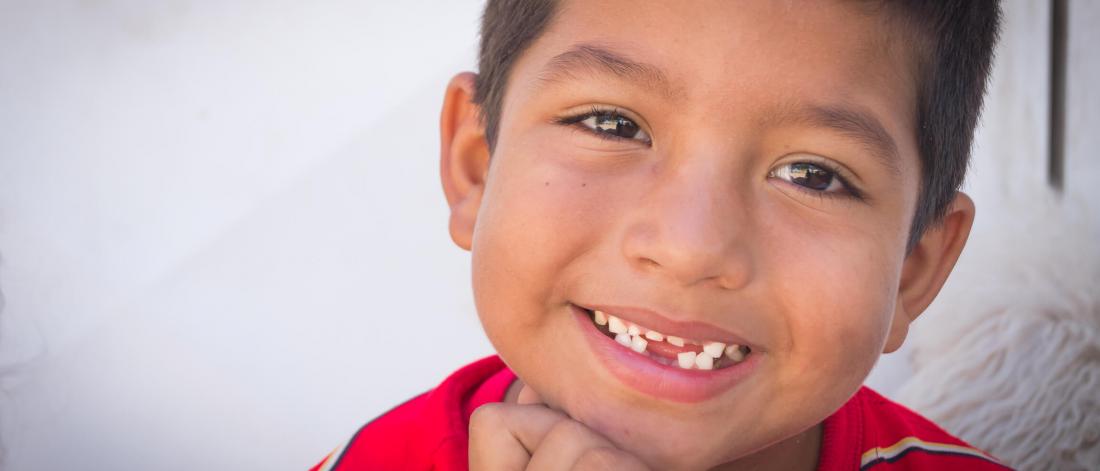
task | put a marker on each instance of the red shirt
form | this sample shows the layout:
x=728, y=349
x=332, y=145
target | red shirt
x=429, y=432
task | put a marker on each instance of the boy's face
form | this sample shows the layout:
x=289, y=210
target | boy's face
x=755, y=184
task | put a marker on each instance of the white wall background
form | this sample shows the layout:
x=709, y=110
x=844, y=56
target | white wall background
x=222, y=235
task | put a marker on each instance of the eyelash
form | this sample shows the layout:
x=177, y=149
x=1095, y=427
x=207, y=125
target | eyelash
x=576, y=121
x=849, y=190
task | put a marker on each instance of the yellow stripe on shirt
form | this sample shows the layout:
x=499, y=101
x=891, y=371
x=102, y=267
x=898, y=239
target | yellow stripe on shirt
x=878, y=454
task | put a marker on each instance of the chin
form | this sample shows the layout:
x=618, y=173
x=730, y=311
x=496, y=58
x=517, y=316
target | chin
x=662, y=442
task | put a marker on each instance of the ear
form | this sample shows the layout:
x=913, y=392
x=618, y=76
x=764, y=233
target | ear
x=463, y=157
x=927, y=266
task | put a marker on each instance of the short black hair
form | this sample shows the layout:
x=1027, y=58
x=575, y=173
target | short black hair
x=954, y=46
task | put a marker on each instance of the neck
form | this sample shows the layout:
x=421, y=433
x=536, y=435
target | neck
x=799, y=452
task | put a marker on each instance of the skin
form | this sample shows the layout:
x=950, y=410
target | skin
x=695, y=225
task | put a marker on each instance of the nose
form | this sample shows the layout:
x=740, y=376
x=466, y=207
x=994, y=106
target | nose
x=693, y=226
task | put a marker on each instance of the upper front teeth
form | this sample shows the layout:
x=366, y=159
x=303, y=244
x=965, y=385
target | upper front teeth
x=633, y=337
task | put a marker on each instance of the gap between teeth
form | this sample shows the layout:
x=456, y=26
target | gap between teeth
x=633, y=337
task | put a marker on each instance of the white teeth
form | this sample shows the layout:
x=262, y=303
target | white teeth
x=601, y=318
x=631, y=336
x=714, y=349
x=704, y=362
x=616, y=325
x=686, y=359
x=734, y=352
x=623, y=339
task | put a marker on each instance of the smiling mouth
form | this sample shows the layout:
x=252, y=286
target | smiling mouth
x=668, y=350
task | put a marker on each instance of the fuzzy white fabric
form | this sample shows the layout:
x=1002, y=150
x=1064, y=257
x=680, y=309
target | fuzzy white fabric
x=1009, y=359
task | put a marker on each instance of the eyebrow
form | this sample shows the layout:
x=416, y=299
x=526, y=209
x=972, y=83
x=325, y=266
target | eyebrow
x=598, y=59
x=852, y=122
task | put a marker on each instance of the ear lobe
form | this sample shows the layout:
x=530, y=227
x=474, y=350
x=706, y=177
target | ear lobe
x=464, y=157
x=926, y=268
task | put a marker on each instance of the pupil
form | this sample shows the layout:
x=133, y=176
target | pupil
x=616, y=125
x=811, y=176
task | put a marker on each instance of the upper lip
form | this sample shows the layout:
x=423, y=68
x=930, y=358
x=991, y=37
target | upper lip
x=691, y=330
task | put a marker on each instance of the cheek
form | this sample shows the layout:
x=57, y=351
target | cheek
x=837, y=291
x=536, y=218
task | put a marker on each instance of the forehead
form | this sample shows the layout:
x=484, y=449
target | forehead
x=731, y=44
x=747, y=60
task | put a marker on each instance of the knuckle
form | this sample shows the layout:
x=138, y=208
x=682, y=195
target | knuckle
x=486, y=416
x=489, y=410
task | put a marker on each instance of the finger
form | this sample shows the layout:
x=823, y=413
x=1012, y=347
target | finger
x=570, y=445
x=598, y=459
x=529, y=396
x=563, y=446
x=513, y=437
x=503, y=436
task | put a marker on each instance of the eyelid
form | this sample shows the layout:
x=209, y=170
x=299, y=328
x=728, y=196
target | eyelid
x=575, y=115
x=840, y=172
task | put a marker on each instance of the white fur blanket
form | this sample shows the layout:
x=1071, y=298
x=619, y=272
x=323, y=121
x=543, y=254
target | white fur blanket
x=1009, y=357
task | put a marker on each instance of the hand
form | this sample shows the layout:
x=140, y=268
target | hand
x=531, y=436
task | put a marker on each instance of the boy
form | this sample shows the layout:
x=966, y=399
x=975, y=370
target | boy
x=694, y=227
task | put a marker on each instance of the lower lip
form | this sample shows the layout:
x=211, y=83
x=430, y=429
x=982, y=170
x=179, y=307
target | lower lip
x=670, y=382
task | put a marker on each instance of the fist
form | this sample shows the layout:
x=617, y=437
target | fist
x=531, y=436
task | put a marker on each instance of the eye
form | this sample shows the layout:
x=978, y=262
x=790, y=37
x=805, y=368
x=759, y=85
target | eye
x=808, y=175
x=615, y=125
x=816, y=178
x=608, y=124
